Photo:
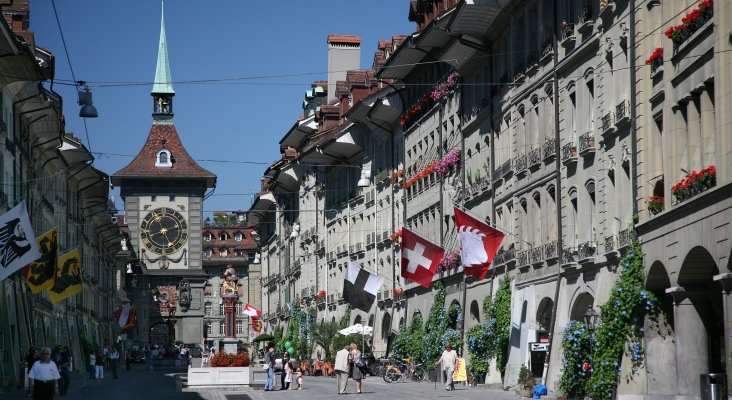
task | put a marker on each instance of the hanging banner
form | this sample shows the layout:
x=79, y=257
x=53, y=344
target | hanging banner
x=18, y=245
x=39, y=275
x=68, y=277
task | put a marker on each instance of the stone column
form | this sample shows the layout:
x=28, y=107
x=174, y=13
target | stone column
x=693, y=118
x=726, y=280
x=230, y=342
x=692, y=354
x=708, y=129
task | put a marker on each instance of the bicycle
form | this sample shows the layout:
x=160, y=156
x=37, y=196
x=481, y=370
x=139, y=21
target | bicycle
x=404, y=370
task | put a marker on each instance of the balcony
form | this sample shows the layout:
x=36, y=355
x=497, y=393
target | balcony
x=518, y=72
x=547, y=52
x=522, y=258
x=587, y=144
x=520, y=164
x=606, y=124
x=550, y=251
x=622, y=114
x=497, y=175
x=625, y=238
x=536, y=256
x=606, y=7
x=506, y=168
x=569, y=153
x=568, y=35
x=585, y=22
x=609, y=243
x=549, y=150
x=535, y=158
x=587, y=250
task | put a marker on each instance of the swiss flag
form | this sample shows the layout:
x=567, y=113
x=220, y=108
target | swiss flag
x=126, y=316
x=420, y=258
x=252, y=311
x=478, y=244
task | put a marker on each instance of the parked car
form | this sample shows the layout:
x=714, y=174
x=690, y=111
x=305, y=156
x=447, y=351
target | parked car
x=138, y=357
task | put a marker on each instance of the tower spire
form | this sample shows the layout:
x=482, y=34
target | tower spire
x=162, y=91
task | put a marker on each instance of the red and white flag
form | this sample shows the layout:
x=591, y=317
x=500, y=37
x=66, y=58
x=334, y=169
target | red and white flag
x=252, y=311
x=126, y=316
x=420, y=258
x=478, y=244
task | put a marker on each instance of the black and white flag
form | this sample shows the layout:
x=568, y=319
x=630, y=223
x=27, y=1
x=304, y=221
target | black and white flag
x=17, y=242
x=360, y=287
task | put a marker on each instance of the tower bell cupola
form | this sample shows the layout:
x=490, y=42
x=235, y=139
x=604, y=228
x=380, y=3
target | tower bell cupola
x=162, y=91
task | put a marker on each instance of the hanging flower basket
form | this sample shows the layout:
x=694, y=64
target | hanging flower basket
x=321, y=294
x=398, y=292
x=451, y=260
x=655, y=204
x=656, y=59
x=396, y=236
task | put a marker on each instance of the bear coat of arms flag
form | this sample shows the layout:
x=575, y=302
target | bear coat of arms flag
x=420, y=258
x=126, y=316
x=39, y=275
x=479, y=243
x=18, y=245
x=68, y=277
x=360, y=287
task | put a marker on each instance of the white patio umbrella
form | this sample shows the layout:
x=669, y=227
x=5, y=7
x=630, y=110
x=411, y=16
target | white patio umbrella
x=357, y=329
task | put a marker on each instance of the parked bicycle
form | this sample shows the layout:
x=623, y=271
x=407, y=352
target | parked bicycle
x=403, y=370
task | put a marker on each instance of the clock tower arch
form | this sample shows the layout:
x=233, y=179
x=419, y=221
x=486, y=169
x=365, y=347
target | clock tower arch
x=163, y=189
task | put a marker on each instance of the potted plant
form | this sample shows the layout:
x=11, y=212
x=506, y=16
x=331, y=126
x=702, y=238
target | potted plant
x=525, y=382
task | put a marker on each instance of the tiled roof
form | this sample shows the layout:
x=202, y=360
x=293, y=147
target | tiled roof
x=351, y=39
x=163, y=136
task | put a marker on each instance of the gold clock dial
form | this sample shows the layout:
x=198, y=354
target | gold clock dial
x=164, y=231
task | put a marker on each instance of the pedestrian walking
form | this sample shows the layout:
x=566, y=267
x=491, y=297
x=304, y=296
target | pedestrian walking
x=31, y=356
x=63, y=361
x=114, y=361
x=44, y=377
x=93, y=365
x=100, y=364
x=287, y=368
x=448, y=358
x=269, y=361
x=356, y=362
x=342, y=362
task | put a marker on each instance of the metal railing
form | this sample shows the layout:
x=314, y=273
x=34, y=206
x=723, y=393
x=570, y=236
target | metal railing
x=549, y=150
x=536, y=255
x=520, y=163
x=625, y=237
x=522, y=257
x=535, y=157
x=550, y=250
x=586, y=143
x=622, y=110
x=569, y=152
x=607, y=121
x=587, y=249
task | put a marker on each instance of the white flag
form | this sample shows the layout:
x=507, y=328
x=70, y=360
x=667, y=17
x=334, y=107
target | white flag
x=17, y=241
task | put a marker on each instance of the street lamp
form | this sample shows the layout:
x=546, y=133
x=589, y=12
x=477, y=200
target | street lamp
x=590, y=319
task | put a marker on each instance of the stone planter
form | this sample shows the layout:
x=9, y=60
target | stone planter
x=219, y=376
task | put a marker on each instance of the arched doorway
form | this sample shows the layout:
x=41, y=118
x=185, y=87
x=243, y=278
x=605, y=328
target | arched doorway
x=659, y=335
x=583, y=301
x=698, y=303
x=538, y=349
x=475, y=311
x=160, y=334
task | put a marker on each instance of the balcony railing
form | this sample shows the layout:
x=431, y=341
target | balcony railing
x=522, y=258
x=606, y=122
x=609, y=244
x=587, y=250
x=520, y=164
x=506, y=168
x=549, y=151
x=496, y=175
x=587, y=143
x=569, y=153
x=536, y=255
x=622, y=112
x=548, y=51
x=625, y=238
x=550, y=250
x=535, y=158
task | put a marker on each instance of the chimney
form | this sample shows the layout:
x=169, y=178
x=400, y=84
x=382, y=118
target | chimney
x=344, y=54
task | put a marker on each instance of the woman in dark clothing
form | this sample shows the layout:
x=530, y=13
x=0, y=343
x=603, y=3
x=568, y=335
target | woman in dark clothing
x=285, y=360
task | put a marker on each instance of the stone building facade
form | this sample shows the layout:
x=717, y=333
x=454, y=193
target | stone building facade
x=568, y=128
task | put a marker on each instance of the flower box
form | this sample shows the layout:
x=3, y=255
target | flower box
x=690, y=23
x=656, y=59
x=655, y=204
x=694, y=183
x=219, y=376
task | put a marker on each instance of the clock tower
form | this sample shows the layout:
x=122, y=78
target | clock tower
x=163, y=190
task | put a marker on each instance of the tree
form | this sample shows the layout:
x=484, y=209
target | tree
x=325, y=334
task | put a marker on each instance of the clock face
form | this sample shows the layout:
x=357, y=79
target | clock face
x=164, y=231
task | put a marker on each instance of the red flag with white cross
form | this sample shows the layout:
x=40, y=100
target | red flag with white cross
x=420, y=258
x=478, y=244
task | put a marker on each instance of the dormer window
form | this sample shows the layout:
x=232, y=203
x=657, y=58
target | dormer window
x=207, y=252
x=163, y=160
x=207, y=237
x=238, y=236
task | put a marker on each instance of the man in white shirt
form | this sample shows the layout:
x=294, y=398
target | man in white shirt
x=342, y=364
x=448, y=358
x=44, y=376
x=114, y=361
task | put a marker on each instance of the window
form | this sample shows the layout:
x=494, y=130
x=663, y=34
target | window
x=207, y=309
x=223, y=252
x=223, y=236
x=209, y=329
x=222, y=328
x=163, y=159
x=238, y=236
x=221, y=309
x=239, y=309
x=207, y=252
x=207, y=237
x=239, y=327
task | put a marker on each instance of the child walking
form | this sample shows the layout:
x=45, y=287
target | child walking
x=298, y=376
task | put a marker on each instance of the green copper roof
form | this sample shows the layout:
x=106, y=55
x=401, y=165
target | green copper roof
x=163, y=81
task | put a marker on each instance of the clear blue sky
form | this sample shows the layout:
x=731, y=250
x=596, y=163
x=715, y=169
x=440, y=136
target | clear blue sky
x=116, y=42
